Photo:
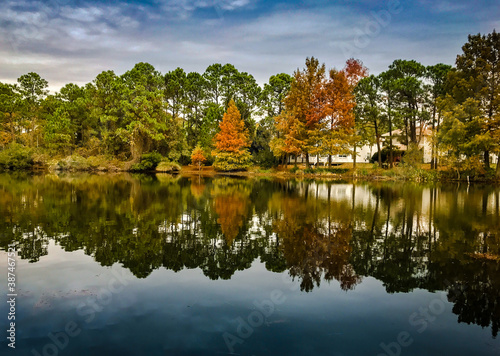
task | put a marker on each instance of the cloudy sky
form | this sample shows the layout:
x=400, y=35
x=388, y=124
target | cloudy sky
x=72, y=41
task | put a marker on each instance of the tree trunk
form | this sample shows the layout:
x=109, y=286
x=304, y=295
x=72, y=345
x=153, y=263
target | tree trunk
x=354, y=156
x=487, y=159
x=436, y=160
x=308, y=165
x=379, y=153
x=329, y=161
x=406, y=133
x=391, y=154
x=12, y=132
x=497, y=172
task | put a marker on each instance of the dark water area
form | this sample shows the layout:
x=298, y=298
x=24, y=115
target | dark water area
x=164, y=265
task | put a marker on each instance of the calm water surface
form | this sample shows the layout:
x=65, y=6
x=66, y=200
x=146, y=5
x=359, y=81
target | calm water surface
x=162, y=265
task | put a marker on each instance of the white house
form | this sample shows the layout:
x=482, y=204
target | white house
x=424, y=139
x=365, y=153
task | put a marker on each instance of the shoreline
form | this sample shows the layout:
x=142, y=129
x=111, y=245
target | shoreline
x=358, y=174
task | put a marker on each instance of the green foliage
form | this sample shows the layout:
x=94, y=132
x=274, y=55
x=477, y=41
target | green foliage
x=149, y=162
x=58, y=130
x=265, y=158
x=260, y=148
x=73, y=163
x=396, y=154
x=335, y=170
x=294, y=169
x=274, y=93
x=16, y=156
x=413, y=157
x=419, y=174
x=230, y=162
x=209, y=127
x=363, y=172
x=166, y=166
x=326, y=170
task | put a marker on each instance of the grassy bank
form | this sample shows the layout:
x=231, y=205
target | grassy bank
x=363, y=171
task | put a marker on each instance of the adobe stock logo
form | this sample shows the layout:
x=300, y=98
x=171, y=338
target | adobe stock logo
x=371, y=29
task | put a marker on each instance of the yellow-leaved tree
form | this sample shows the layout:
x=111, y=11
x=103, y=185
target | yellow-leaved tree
x=231, y=143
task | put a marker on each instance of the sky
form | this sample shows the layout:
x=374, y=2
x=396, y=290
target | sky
x=72, y=41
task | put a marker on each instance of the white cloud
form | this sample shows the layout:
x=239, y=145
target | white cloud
x=82, y=14
x=74, y=43
x=184, y=8
x=443, y=6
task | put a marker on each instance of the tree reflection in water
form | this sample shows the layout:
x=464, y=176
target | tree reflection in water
x=407, y=236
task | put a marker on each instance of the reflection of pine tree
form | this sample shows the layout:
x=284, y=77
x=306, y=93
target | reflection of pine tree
x=474, y=302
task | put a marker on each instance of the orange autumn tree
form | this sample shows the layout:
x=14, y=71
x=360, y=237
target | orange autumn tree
x=197, y=157
x=295, y=132
x=332, y=110
x=232, y=142
x=289, y=140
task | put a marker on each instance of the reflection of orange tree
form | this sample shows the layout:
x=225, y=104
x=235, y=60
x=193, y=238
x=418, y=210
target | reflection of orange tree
x=314, y=244
x=231, y=203
x=197, y=187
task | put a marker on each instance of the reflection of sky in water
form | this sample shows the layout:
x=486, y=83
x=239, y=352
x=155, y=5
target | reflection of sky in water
x=186, y=313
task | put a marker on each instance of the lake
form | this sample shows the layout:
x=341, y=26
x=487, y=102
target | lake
x=166, y=265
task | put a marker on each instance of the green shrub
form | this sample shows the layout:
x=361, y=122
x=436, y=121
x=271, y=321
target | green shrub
x=390, y=173
x=309, y=170
x=397, y=155
x=96, y=162
x=230, y=162
x=265, y=159
x=149, y=162
x=337, y=170
x=294, y=169
x=363, y=172
x=166, y=166
x=418, y=174
x=16, y=156
x=73, y=163
x=413, y=157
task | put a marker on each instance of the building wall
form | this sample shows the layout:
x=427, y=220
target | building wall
x=363, y=155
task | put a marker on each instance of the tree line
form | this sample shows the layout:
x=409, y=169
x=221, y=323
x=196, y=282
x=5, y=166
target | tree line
x=223, y=116
x=126, y=116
